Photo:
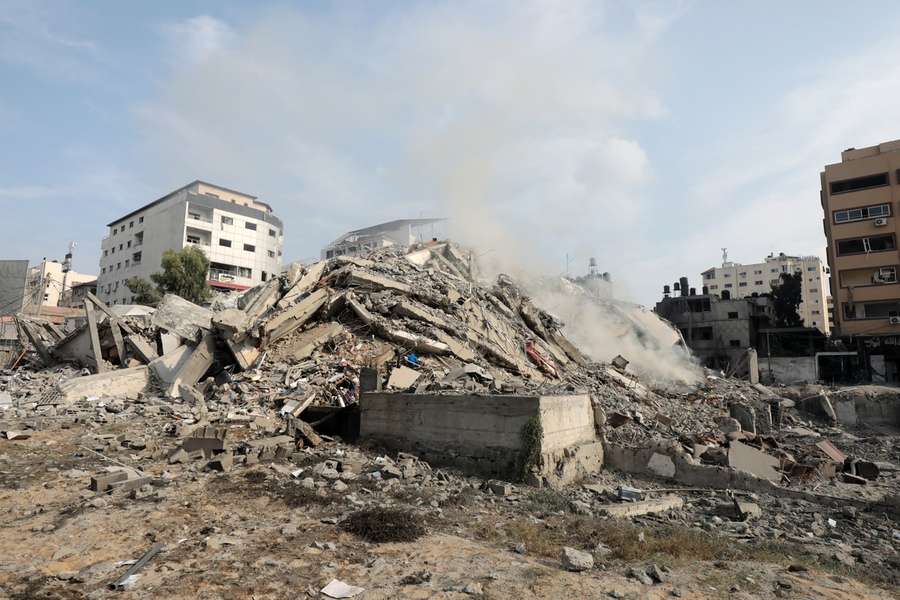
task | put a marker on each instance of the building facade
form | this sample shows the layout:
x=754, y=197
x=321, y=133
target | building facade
x=402, y=233
x=746, y=280
x=49, y=283
x=859, y=196
x=240, y=235
x=718, y=331
x=76, y=296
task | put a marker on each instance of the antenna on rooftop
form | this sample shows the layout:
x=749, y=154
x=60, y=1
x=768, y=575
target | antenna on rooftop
x=724, y=256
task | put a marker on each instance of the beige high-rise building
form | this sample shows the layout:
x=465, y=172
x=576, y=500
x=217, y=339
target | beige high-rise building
x=736, y=280
x=859, y=196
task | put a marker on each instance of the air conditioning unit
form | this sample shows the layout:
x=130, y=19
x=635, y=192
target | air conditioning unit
x=894, y=320
x=880, y=222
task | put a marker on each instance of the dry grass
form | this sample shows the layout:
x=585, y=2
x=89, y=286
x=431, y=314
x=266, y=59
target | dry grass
x=381, y=525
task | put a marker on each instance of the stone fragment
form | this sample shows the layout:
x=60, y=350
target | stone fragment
x=576, y=560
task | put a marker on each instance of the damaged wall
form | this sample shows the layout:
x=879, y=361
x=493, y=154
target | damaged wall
x=480, y=434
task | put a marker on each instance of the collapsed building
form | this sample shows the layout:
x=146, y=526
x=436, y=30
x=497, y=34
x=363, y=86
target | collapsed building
x=409, y=350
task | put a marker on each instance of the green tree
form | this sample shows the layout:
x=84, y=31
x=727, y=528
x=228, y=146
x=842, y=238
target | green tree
x=786, y=298
x=184, y=274
x=144, y=291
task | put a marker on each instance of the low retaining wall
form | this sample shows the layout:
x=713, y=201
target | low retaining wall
x=665, y=462
x=484, y=434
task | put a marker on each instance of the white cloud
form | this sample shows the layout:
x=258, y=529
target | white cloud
x=196, y=39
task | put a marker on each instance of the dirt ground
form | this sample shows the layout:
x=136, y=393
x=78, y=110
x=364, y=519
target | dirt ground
x=252, y=533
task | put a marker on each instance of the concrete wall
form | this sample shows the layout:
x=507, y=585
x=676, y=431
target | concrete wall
x=13, y=274
x=787, y=369
x=482, y=434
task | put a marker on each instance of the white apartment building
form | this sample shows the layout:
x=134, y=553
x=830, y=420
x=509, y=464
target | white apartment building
x=240, y=235
x=401, y=233
x=740, y=281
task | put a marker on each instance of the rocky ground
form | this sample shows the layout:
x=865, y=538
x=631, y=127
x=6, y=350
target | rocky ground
x=286, y=528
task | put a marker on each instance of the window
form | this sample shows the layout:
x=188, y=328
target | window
x=106, y=253
x=129, y=243
x=227, y=221
x=742, y=284
x=758, y=283
x=732, y=315
x=734, y=343
x=279, y=253
x=245, y=272
x=250, y=226
x=773, y=270
x=121, y=246
x=774, y=282
x=859, y=183
x=131, y=225
x=877, y=243
x=140, y=219
x=193, y=239
x=707, y=275
x=271, y=254
x=137, y=257
x=810, y=269
x=862, y=213
x=127, y=262
x=726, y=275
x=265, y=276
x=272, y=233
x=224, y=242
x=759, y=272
x=744, y=274
x=118, y=266
x=885, y=275
x=114, y=230
x=103, y=270
x=872, y=310
x=813, y=290
x=249, y=248
x=702, y=333
x=211, y=194
x=713, y=287
x=728, y=285
x=815, y=312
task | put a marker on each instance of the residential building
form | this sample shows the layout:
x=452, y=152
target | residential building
x=239, y=234
x=402, y=233
x=719, y=331
x=859, y=196
x=13, y=285
x=746, y=280
x=76, y=296
x=50, y=282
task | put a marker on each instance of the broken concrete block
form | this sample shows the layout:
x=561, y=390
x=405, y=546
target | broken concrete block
x=195, y=365
x=642, y=507
x=128, y=383
x=576, y=560
x=744, y=414
x=167, y=342
x=141, y=348
x=300, y=428
x=745, y=458
x=661, y=465
x=186, y=319
x=371, y=281
x=729, y=425
x=402, y=378
x=231, y=323
x=304, y=344
x=14, y=435
x=414, y=310
x=166, y=367
x=294, y=317
x=222, y=462
x=306, y=283
x=745, y=511
x=244, y=350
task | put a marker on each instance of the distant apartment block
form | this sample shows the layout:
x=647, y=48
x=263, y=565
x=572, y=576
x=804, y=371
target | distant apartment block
x=49, y=284
x=859, y=196
x=239, y=234
x=737, y=280
x=401, y=233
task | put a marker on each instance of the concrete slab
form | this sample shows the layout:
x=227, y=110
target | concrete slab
x=746, y=458
x=403, y=378
x=186, y=319
x=643, y=507
x=122, y=382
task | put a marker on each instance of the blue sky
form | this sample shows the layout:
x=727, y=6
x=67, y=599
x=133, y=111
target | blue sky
x=649, y=135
